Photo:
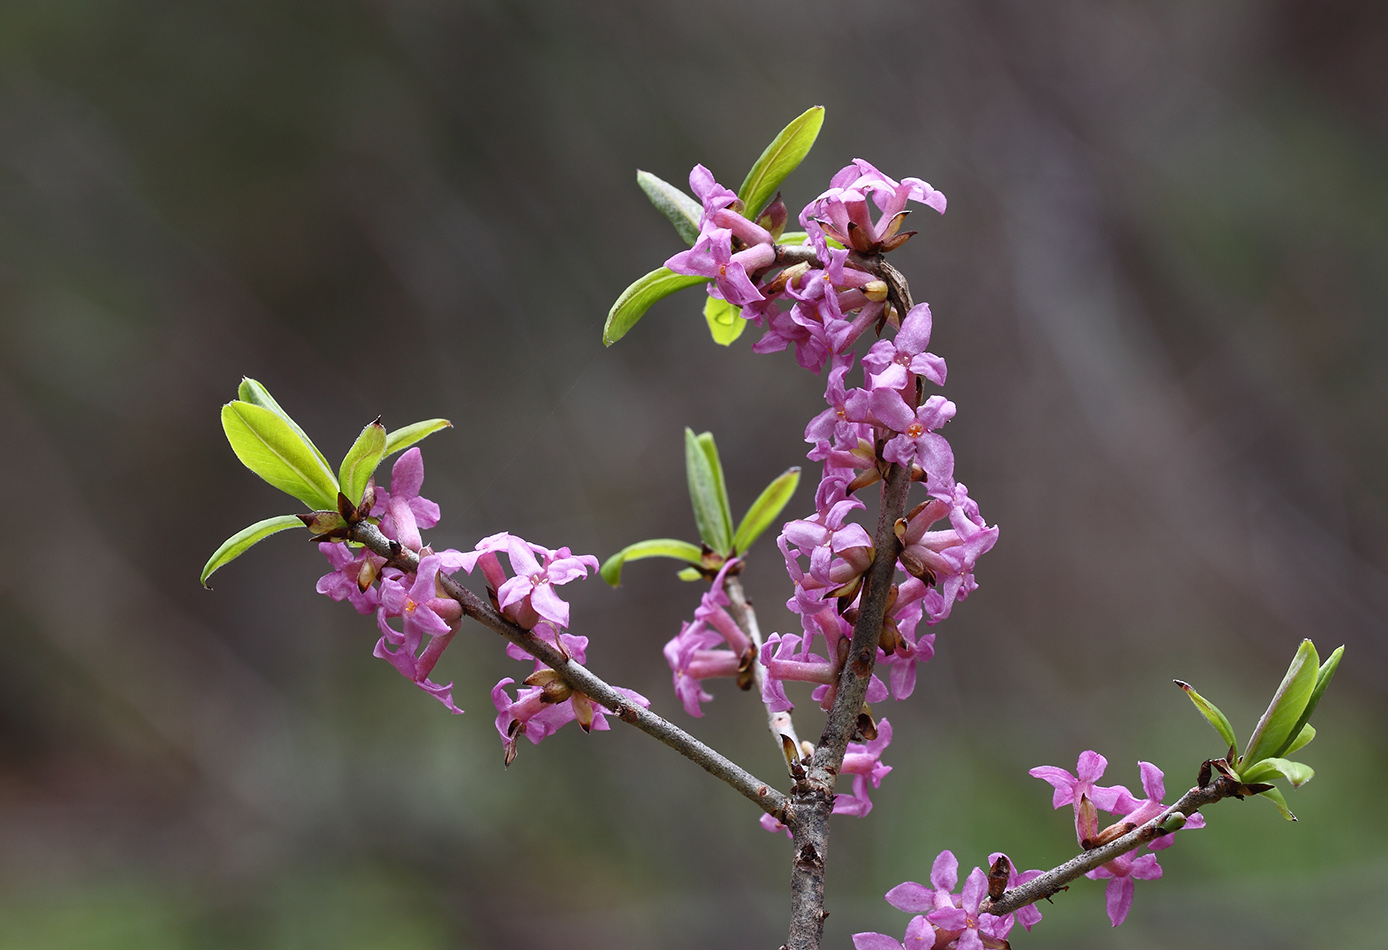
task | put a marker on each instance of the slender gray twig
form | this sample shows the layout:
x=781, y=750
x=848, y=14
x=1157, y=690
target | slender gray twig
x=780, y=723
x=1055, y=879
x=581, y=679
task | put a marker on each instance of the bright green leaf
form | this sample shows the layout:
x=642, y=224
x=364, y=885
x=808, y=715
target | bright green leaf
x=690, y=574
x=1270, y=768
x=637, y=299
x=404, y=438
x=793, y=238
x=707, y=491
x=233, y=546
x=657, y=547
x=725, y=321
x=1274, y=730
x=781, y=157
x=361, y=461
x=683, y=211
x=1323, y=677
x=1211, y=712
x=253, y=392
x=276, y=451
x=1307, y=733
x=1274, y=795
x=764, y=510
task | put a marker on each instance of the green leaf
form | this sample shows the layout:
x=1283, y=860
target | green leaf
x=637, y=299
x=725, y=321
x=1307, y=733
x=690, y=574
x=1274, y=730
x=656, y=547
x=793, y=238
x=361, y=461
x=781, y=157
x=683, y=211
x=277, y=451
x=256, y=394
x=707, y=491
x=1211, y=712
x=764, y=510
x=1274, y=795
x=1323, y=677
x=233, y=546
x=404, y=438
x=1270, y=768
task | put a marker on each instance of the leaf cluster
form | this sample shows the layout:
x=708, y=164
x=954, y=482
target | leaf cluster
x=777, y=161
x=271, y=444
x=708, y=493
x=1284, y=728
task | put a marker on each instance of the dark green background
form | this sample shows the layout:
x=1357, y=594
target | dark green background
x=1161, y=289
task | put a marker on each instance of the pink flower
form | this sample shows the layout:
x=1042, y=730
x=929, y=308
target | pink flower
x=713, y=645
x=964, y=924
x=1122, y=871
x=352, y=578
x=896, y=363
x=842, y=212
x=863, y=761
x=537, y=713
x=1081, y=791
x=915, y=439
x=424, y=613
x=529, y=595
x=401, y=509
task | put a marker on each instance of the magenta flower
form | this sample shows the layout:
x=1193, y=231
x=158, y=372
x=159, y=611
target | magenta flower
x=863, y=761
x=536, y=714
x=713, y=256
x=846, y=407
x=401, y=509
x=946, y=557
x=1122, y=871
x=1081, y=791
x=915, y=898
x=842, y=212
x=713, y=645
x=904, y=616
x=919, y=936
x=916, y=440
x=424, y=613
x=528, y=596
x=352, y=578
x=964, y=924
x=895, y=363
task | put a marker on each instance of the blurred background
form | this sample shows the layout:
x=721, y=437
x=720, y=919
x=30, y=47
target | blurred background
x=1160, y=287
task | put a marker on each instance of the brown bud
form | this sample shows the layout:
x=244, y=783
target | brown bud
x=865, y=726
x=325, y=524
x=774, y=217
x=998, y=876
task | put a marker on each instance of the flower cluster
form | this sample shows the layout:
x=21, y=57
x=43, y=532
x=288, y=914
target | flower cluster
x=946, y=919
x=822, y=308
x=1088, y=799
x=429, y=618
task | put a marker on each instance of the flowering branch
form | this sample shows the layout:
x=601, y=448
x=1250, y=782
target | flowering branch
x=579, y=677
x=813, y=796
x=779, y=722
x=1055, y=879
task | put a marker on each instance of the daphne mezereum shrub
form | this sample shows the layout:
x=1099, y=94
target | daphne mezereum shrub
x=865, y=600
